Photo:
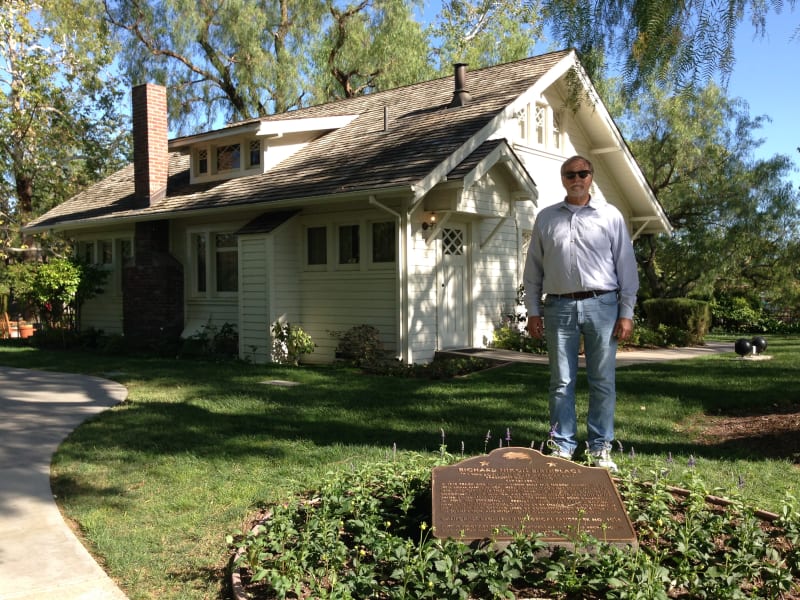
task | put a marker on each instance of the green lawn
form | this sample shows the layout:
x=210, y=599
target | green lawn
x=156, y=484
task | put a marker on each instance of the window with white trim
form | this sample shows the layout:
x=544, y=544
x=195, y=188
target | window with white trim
x=540, y=120
x=349, y=245
x=228, y=157
x=384, y=242
x=539, y=125
x=226, y=160
x=316, y=246
x=111, y=255
x=214, y=260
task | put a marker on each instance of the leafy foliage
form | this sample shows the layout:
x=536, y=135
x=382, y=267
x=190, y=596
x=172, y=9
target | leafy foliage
x=361, y=345
x=60, y=129
x=290, y=343
x=735, y=218
x=366, y=533
x=56, y=289
x=212, y=341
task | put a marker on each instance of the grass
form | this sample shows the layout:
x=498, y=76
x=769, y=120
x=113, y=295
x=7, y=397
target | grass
x=156, y=484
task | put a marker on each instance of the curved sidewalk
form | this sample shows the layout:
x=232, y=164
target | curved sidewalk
x=40, y=557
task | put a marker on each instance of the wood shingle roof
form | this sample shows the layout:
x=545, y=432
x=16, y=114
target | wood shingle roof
x=363, y=156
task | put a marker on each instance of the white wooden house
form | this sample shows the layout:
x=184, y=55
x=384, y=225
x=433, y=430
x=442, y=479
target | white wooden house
x=408, y=210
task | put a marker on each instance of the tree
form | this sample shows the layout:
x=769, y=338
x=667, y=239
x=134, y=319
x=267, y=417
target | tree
x=486, y=32
x=369, y=45
x=736, y=219
x=681, y=42
x=243, y=59
x=59, y=129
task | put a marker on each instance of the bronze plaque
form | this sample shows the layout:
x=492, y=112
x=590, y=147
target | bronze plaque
x=523, y=490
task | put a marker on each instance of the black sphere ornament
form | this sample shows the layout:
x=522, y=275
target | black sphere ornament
x=743, y=347
x=759, y=343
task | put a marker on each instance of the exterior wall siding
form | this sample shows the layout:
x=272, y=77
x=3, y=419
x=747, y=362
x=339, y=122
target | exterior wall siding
x=255, y=285
x=496, y=270
x=103, y=313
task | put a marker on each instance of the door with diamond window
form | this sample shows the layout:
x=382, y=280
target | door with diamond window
x=453, y=326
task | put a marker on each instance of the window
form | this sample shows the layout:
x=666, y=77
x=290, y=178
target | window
x=85, y=252
x=126, y=251
x=228, y=157
x=556, y=130
x=383, y=242
x=227, y=262
x=317, y=245
x=541, y=121
x=349, y=245
x=215, y=262
x=255, y=153
x=199, y=246
x=202, y=161
x=106, y=248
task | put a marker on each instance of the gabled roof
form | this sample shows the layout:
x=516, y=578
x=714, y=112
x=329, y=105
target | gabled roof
x=422, y=133
x=405, y=139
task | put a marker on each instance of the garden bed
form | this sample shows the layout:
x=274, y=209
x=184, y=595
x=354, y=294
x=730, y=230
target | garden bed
x=365, y=534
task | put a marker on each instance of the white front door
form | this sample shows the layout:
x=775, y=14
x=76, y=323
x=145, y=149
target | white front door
x=453, y=315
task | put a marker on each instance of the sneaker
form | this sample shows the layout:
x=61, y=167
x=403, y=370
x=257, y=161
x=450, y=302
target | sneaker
x=558, y=451
x=602, y=458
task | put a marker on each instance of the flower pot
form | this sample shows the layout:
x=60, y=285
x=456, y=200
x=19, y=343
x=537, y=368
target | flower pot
x=25, y=331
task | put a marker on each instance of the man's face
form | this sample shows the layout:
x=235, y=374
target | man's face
x=576, y=179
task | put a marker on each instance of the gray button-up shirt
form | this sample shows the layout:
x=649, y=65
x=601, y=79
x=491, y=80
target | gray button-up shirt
x=577, y=249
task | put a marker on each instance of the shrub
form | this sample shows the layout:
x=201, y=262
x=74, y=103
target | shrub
x=55, y=290
x=360, y=345
x=692, y=317
x=509, y=337
x=290, y=343
x=738, y=315
x=212, y=341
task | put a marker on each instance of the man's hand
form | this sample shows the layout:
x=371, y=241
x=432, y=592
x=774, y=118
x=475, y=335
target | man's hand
x=535, y=327
x=623, y=329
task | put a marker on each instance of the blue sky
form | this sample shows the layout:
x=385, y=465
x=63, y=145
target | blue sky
x=761, y=78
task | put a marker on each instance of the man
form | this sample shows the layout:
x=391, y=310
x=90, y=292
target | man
x=581, y=260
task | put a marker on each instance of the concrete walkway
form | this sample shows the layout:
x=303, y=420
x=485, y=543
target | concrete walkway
x=624, y=357
x=40, y=557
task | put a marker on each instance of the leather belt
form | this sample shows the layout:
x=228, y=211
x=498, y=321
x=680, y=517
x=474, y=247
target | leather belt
x=583, y=295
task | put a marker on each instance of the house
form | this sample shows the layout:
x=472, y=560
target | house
x=408, y=210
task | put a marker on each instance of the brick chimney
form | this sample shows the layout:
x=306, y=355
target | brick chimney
x=150, y=154
x=460, y=94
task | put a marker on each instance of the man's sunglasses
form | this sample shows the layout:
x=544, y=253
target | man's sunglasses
x=581, y=174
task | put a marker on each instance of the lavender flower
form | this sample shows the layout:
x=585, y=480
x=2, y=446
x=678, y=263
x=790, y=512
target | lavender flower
x=486, y=440
x=462, y=448
x=508, y=436
x=633, y=453
x=692, y=462
x=670, y=460
x=394, y=451
x=621, y=449
x=740, y=483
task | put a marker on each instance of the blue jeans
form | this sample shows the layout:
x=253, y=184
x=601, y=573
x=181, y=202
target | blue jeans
x=564, y=322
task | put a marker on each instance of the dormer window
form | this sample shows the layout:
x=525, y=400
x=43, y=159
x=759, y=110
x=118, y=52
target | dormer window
x=202, y=161
x=252, y=147
x=255, y=153
x=228, y=157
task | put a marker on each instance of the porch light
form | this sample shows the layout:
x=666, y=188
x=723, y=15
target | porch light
x=430, y=223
